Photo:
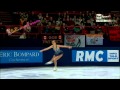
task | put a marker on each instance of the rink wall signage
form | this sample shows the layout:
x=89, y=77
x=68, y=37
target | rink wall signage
x=48, y=38
x=74, y=40
x=95, y=55
x=94, y=39
x=20, y=56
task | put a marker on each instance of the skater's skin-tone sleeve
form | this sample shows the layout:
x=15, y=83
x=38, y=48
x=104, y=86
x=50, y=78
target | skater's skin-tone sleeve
x=63, y=46
x=46, y=48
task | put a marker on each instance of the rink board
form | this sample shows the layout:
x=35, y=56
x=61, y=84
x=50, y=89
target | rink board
x=72, y=57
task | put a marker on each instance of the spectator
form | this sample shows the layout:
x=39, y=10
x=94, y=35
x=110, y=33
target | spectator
x=70, y=22
x=77, y=22
x=2, y=29
x=28, y=28
x=92, y=22
x=70, y=28
x=51, y=19
x=53, y=23
x=90, y=15
x=58, y=22
x=64, y=16
x=57, y=28
x=99, y=30
x=84, y=31
x=48, y=28
x=93, y=14
x=65, y=28
x=44, y=21
x=77, y=29
x=110, y=23
x=83, y=16
x=74, y=18
x=47, y=16
x=60, y=16
x=40, y=17
x=64, y=20
x=23, y=36
x=88, y=23
x=83, y=21
x=26, y=16
x=22, y=21
x=116, y=24
x=0, y=21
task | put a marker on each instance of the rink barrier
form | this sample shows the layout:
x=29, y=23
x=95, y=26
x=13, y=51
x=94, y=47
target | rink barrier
x=89, y=56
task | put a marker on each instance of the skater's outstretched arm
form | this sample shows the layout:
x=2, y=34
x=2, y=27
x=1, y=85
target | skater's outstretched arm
x=63, y=46
x=46, y=48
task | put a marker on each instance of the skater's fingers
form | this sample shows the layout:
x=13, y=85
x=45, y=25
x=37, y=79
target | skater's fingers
x=41, y=51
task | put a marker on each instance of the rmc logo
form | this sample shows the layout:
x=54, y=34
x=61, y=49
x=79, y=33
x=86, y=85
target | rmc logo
x=94, y=56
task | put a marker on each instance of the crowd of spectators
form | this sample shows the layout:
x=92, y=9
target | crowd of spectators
x=69, y=21
x=65, y=22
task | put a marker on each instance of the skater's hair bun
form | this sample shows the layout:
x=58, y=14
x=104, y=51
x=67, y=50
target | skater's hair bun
x=53, y=41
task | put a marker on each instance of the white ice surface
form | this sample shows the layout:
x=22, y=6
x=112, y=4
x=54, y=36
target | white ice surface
x=62, y=73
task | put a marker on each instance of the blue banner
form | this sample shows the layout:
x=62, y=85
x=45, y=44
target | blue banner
x=20, y=56
x=95, y=56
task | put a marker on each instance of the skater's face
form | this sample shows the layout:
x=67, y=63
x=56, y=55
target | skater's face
x=53, y=42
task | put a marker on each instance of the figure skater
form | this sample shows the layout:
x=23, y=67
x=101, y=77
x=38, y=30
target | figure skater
x=57, y=55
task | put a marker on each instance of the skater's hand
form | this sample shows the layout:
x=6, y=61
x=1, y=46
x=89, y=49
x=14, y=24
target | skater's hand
x=70, y=47
x=41, y=51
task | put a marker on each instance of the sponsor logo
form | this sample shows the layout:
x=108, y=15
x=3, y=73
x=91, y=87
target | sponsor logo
x=95, y=56
x=113, y=55
x=20, y=56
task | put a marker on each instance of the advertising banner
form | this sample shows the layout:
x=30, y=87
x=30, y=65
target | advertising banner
x=74, y=40
x=94, y=39
x=46, y=39
x=21, y=56
x=95, y=56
